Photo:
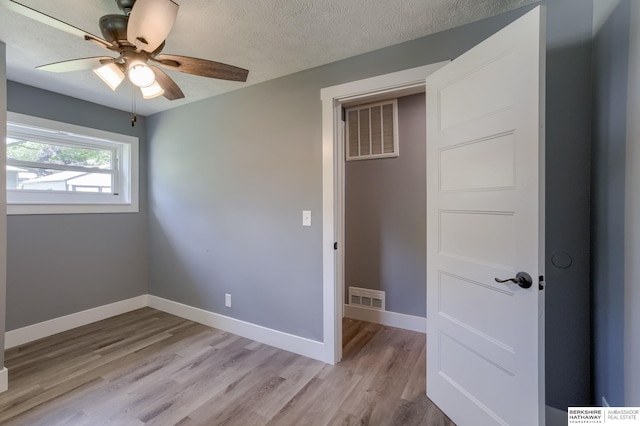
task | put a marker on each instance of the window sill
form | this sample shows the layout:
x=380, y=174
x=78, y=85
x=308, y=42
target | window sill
x=33, y=209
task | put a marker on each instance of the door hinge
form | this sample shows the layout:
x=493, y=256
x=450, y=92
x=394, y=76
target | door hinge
x=335, y=246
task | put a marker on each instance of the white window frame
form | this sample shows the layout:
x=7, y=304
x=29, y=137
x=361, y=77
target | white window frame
x=126, y=179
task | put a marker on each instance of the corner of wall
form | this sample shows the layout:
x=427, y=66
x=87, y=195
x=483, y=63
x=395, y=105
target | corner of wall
x=632, y=224
x=610, y=195
x=3, y=207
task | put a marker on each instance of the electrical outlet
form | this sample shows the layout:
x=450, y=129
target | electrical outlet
x=227, y=300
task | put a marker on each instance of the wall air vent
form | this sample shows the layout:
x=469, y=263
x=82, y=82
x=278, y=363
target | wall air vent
x=367, y=298
x=372, y=131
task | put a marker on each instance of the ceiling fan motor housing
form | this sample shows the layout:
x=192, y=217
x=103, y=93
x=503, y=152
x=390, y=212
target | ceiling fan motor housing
x=125, y=5
x=114, y=29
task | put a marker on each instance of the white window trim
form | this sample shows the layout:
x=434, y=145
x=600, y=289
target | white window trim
x=63, y=203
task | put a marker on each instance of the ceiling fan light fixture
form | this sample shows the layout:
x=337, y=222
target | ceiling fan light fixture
x=111, y=74
x=152, y=91
x=141, y=75
x=138, y=37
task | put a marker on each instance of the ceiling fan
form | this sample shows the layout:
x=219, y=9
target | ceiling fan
x=137, y=36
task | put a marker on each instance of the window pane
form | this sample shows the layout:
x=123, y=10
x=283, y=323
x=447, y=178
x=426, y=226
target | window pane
x=49, y=153
x=58, y=168
x=41, y=179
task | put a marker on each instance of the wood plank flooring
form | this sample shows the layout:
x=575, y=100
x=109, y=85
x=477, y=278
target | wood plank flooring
x=149, y=367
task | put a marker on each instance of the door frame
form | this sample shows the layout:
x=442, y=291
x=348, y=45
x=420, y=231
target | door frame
x=333, y=188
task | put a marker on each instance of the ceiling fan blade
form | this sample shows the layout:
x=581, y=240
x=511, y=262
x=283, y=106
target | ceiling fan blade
x=53, y=22
x=76, y=64
x=171, y=89
x=202, y=67
x=150, y=22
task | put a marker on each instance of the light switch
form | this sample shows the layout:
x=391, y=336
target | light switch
x=306, y=217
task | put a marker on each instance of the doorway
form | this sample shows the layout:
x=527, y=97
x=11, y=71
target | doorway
x=385, y=211
x=485, y=202
x=333, y=99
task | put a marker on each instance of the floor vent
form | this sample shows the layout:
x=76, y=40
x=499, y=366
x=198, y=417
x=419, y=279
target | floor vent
x=373, y=299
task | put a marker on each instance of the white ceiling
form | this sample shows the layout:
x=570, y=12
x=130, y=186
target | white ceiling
x=270, y=38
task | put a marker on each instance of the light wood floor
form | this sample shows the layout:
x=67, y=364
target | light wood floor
x=148, y=367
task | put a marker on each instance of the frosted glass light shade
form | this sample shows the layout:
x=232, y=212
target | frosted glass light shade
x=141, y=75
x=111, y=74
x=152, y=91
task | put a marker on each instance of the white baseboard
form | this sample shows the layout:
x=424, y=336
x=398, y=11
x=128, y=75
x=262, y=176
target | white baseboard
x=37, y=331
x=391, y=319
x=288, y=342
x=4, y=379
x=555, y=417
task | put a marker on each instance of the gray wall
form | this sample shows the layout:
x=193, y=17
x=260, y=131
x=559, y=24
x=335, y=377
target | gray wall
x=632, y=219
x=62, y=264
x=385, y=217
x=3, y=198
x=229, y=177
x=610, y=53
x=568, y=142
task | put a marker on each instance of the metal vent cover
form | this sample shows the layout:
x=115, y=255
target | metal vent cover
x=372, y=131
x=367, y=298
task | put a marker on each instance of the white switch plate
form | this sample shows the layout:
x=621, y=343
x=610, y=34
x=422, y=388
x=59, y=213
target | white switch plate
x=306, y=217
x=227, y=300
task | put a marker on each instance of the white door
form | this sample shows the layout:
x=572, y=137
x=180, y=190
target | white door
x=485, y=220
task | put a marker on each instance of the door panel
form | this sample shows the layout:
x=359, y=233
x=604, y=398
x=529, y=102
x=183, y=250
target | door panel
x=478, y=236
x=457, y=108
x=458, y=298
x=485, y=210
x=491, y=164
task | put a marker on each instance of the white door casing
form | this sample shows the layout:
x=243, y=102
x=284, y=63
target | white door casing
x=485, y=220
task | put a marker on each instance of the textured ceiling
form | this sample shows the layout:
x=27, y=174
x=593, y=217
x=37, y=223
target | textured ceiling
x=269, y=38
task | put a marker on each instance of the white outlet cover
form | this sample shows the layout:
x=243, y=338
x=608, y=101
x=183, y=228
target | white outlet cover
x=306, y=217
x=227, y=300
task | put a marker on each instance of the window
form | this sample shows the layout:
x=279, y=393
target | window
x=55, y=167
x=372, y=131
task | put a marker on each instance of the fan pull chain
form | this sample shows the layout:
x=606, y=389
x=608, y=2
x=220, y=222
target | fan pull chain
x=134, y=117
